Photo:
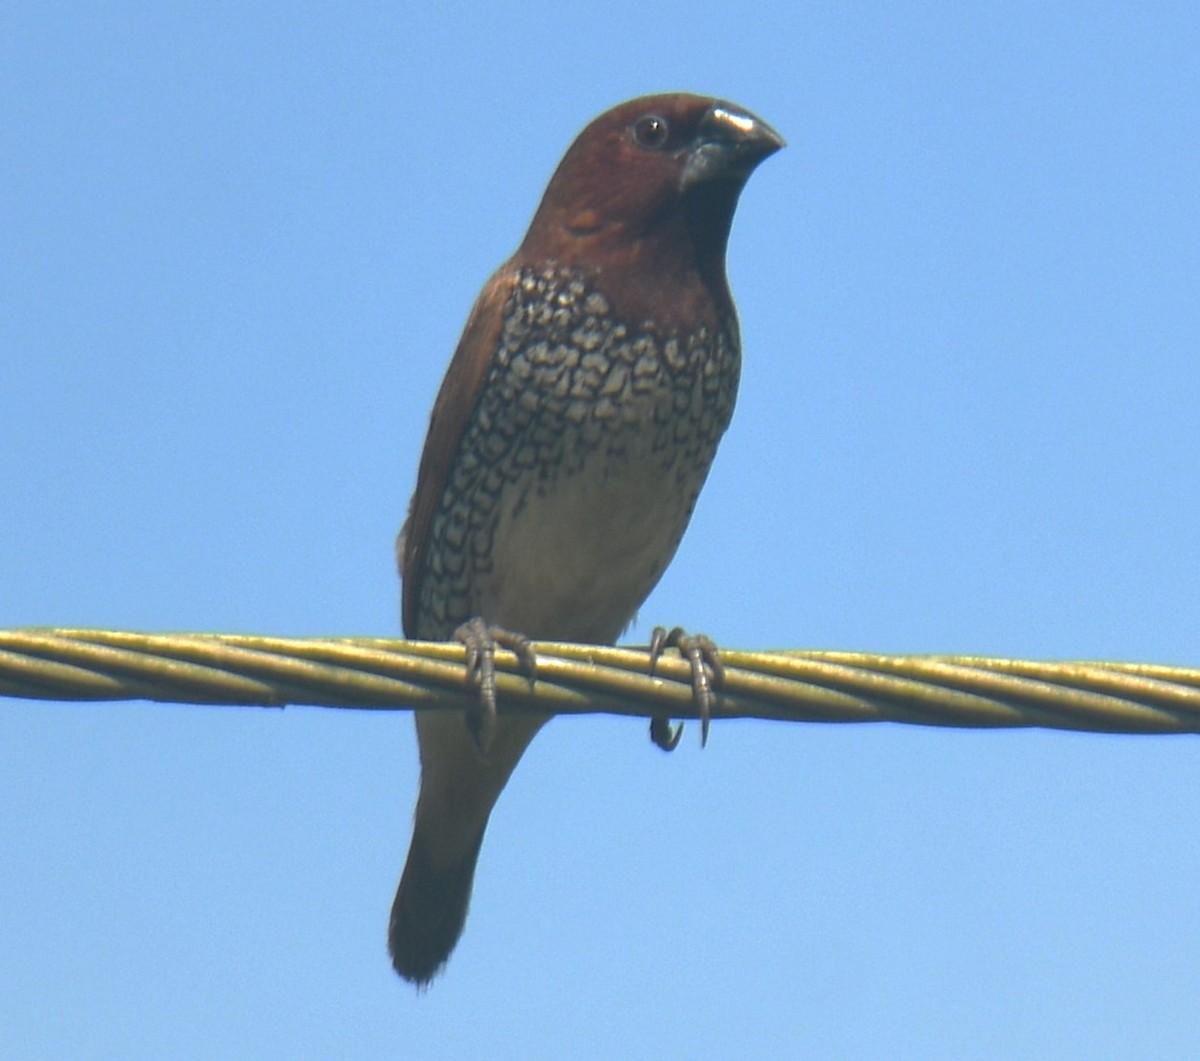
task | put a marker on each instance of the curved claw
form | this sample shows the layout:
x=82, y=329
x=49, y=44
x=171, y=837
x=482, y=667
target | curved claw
x=480, y=641
x=703, y=656
x=664, y=734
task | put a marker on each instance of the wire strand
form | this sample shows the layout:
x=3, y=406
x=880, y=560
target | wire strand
x=392, y=674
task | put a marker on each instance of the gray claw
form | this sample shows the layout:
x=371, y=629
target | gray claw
x=664, y=734
x=481, y=640
x=702, y=656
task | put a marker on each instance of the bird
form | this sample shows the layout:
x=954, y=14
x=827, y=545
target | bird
x=574, y=428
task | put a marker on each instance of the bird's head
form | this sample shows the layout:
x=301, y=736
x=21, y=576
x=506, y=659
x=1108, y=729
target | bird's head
x=651, y=183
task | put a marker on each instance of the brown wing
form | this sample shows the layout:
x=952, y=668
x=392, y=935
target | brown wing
x=455, y=401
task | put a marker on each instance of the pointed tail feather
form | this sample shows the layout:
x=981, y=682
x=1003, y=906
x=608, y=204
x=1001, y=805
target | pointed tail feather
x=429, y=910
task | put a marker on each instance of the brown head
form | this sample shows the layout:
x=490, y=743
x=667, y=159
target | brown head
x=647, y=191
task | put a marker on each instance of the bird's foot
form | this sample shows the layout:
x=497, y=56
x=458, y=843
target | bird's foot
x=703, y=657
x=481, y=641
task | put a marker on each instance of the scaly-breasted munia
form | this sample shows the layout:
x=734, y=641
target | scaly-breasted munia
x=570, y=438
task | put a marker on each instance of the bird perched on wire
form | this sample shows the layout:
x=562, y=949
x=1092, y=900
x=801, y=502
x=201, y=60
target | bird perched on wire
x=574, y=428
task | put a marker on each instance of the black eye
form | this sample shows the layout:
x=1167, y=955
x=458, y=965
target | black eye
x=650, y=131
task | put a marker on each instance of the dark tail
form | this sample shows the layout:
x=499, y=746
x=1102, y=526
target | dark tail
x=429, y=910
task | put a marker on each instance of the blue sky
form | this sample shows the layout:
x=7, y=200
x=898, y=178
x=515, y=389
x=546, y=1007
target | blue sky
x=239, y=242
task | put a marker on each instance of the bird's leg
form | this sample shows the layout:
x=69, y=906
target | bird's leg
x=702, y=655
x=481, y=640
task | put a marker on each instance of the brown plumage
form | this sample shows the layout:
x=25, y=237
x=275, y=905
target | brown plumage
x=570, y=438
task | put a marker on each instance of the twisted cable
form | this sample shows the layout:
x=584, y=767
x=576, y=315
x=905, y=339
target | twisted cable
x=392, y=674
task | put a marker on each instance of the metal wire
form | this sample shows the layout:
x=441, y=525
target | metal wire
x=391, y=674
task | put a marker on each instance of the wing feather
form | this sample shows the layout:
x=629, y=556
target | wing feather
x=455, y=403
